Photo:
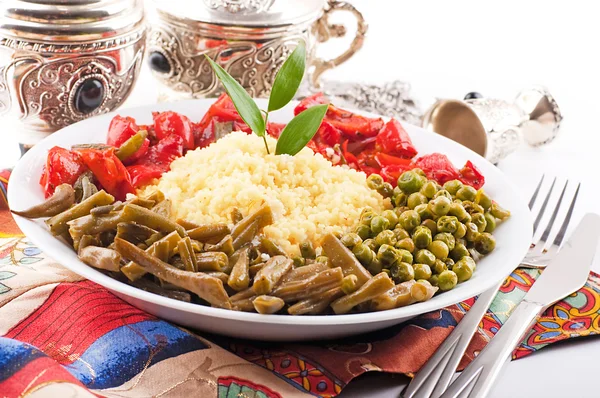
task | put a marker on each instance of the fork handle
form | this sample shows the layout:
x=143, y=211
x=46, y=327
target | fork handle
x=435, y=376
x=485, y=368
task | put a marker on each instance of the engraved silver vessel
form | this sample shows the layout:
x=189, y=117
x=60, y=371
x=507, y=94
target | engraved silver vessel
x=63, y=61
x=249, y=38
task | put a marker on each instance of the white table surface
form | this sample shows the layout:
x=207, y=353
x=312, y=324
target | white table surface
x=446, y=49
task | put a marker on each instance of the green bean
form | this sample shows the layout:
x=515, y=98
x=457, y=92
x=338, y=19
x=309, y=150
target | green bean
x=150, y=219
x=188, y=225
x=424, y=256
x=133, y=232
x=415, y=199
x=315, y=304
x=187, y=255
x=402, y=272
x=340, y=256
x=222, y=276
x=101, y=258
x=422, y=290
x=490, y=222
x=376, y=286
x=225, y=245
x=421, y=237
x=497, y=211
x=271, y=248
x=156, y=196
x=267, y=304
x=453, y=186
x=311, y=286
x=391, y=217
x=133, y=271
x=88, y=240
x=149, y=286
x=163, y=208
x=307, y=250
x=254, y=268
x=299, y=274
x=211, y=261
x=141, y=202
x=209, y=232
x=447, y=280
x=386, y=237
x=485, y=243
x=206, y=287
x=246, y=236
x=58, y=223
x=91, y=225
x=62, y=199
x=132, y=145
x=264, y=215
x=406, y=244
x=266, y=279
x=398, y=296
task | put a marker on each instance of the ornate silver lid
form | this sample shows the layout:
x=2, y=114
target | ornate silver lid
x=542, y=113
x=241, y=13
x=69, y=20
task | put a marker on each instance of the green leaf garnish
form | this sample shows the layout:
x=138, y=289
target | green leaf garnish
x=288, y=79
x=242, y=101
x=300, y=130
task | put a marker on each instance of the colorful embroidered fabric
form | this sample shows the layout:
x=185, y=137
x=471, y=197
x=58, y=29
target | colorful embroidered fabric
x=65, y=336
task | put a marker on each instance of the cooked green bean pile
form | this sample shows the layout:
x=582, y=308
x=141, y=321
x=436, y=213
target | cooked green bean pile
x=393, y=259
x=434, y=233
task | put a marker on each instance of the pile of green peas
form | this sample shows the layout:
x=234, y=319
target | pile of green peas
x=433, y=233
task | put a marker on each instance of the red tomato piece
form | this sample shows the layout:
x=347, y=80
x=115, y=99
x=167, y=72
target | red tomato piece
x=120, y=130
x=328, y=134
x=437, y=167
x=355, y=127
x=109, y=171
x=142, y=174
x=62, y=167
x=204, y=135
x=157, y=161
x=170, y=123
x=394, y=140
x=471, y=175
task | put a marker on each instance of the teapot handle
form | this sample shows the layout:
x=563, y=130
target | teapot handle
x=325, y=31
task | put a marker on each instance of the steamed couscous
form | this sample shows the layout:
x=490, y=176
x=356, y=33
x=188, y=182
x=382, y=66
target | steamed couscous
x=309, y=196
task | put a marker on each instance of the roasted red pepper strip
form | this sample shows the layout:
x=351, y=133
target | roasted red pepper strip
x=108, y=170
x=392, y=172
x=157, y=161
x=394, y=140
x=471, y=175
x=384, y=159
x=437, y=167
x=169, y=123
x=62, y=167
x=310, y=101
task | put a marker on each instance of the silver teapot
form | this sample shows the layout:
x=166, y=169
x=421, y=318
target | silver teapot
x=63, y=61
x=248, y=38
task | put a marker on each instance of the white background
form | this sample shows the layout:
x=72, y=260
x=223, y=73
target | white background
x=448, y=48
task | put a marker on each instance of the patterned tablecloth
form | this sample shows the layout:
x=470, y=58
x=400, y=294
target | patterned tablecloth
x=66, y=336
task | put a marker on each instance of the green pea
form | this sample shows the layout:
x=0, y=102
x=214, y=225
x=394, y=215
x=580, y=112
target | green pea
x=429, y=189
x=323, y=260
x=378, y=224
x=453, y=186
x=482, y=199
x=470, y=262
x=410, y=182
x=485, y=243
x=431, y=225
x=386, y=190
x=406, y=244
x=363, y=254
x=422, y=271
x=439, y=267
x=479, y=220
x=444, y=194
x=471, y=207
x=447, y=224
x=472, y=232
x=386, y=237
x=461, y=230
x=462, y=270
x=387, y=255
x=400, y=199
x=447, y=238
x=467, y=192
x=447, y=280
x=490, y=222
x=498, y=212
x=375, y=267
x=449, y=262
x=459, y=252
x=424, y=256
x=350, y=240
x=424, y=212
x=374, y=181
x=400, y=210
x=400, y=233
x=299, y=261
x=440, y=206
x=363, y=231
x=439, y=249
x=405, y=256
x=391, y=217
x=409, y=220
x=370, y=243
x=457, y=210
x=366, y=217
x=419, y=172
x=415, y=199
x=434, y=280
x=422, y=237
x=402, y=272
x=387, y=271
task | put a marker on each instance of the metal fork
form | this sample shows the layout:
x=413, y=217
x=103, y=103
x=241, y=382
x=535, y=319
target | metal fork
x=434, y=377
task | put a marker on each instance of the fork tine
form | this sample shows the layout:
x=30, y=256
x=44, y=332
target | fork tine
x=563, y=229
x=554, y=213
x=543, y=208
x=535, y=193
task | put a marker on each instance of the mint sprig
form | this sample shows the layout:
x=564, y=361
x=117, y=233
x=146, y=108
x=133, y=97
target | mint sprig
x=301, y=129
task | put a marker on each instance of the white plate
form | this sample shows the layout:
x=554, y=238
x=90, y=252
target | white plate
x=513, y=238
